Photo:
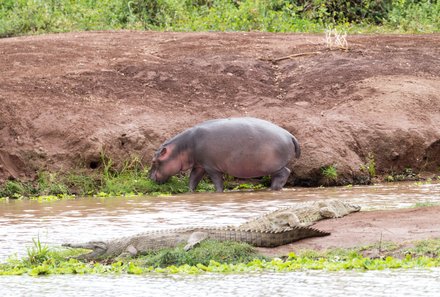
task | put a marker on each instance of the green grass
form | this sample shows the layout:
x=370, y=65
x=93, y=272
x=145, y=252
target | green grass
x=18, y=17
x=108, y=180
x=370, y=166
x=330, y=172
x=125, y=183
x=228, y=257
x=209, y=250
x=37, y=254
x=426, y=204
x=407, y=174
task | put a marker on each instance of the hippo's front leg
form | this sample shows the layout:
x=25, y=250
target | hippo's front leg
x=279, y=178
x=195, y=177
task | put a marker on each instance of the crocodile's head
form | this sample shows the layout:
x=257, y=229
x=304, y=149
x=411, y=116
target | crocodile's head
x=98, y=248
x=352, y=207
x=335, y=208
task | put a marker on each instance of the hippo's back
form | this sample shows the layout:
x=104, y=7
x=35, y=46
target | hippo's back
x=243, y=147
x=243, y=125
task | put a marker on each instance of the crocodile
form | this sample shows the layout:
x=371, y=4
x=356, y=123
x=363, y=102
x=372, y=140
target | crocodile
x=155, y=240
x=302, y=215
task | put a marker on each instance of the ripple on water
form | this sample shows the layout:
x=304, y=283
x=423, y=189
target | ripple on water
x=308, y=283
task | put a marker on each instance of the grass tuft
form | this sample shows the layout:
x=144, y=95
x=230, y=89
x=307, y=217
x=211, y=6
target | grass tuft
x=330, y=172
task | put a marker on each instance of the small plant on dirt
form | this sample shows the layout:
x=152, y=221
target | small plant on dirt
x=389, y=178
x=370, y=166
x=249, y=186
x=51, y=184
x=330, y=172
x=406, y=174
x=335, y=40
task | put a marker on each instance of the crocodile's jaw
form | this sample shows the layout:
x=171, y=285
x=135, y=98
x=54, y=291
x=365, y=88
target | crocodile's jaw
x=99, y=248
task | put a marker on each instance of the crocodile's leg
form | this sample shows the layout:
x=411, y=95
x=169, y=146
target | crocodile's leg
x=130, y=251
x=285, y=219
x=194, y=239
x=328, y=213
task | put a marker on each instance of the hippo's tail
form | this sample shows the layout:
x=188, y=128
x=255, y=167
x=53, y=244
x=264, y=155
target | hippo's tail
x=297, y=147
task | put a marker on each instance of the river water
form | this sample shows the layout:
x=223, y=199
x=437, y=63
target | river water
x=85, y=219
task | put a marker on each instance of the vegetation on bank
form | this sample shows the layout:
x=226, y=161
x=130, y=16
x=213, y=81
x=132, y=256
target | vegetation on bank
x=104, y=182
x=19, y=17
x=107, y=180
x=132, y=180
x=227, y=257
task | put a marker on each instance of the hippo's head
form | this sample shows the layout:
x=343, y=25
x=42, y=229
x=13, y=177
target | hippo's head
x=165, y=163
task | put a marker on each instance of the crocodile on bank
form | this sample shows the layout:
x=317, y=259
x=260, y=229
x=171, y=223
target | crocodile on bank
x=303, y=214
x=150, y=241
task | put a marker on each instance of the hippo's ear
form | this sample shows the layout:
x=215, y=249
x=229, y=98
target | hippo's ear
x=163, y=153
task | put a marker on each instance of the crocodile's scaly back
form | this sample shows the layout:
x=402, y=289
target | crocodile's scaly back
x=150, y=241
x=302, y=214
x=268, y=238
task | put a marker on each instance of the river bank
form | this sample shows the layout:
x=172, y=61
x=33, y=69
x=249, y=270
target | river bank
x=370, y=109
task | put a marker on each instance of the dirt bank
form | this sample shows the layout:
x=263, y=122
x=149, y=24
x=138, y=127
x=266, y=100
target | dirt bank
x=64, y=98
x=368, y=228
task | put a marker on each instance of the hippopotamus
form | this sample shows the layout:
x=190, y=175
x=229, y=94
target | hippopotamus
x=243, y=147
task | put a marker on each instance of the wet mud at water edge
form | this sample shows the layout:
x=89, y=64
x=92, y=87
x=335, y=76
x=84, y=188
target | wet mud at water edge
x=86, y=219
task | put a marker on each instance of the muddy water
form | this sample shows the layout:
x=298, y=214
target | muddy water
x=93, y=218
x=308, y=283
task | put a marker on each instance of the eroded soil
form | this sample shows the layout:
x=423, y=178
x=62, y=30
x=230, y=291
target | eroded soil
x=65, y=98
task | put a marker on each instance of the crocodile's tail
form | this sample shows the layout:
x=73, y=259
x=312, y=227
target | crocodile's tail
x=292, y=234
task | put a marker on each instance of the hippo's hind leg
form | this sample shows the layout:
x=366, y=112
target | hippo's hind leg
x=195, y=177
x=217, y=179
x=279, y=178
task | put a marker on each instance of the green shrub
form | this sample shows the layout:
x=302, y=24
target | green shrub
x=414, y=16
x=16, y=189
x=38, y=16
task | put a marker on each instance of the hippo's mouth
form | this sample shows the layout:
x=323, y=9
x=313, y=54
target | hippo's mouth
x=157, y=180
